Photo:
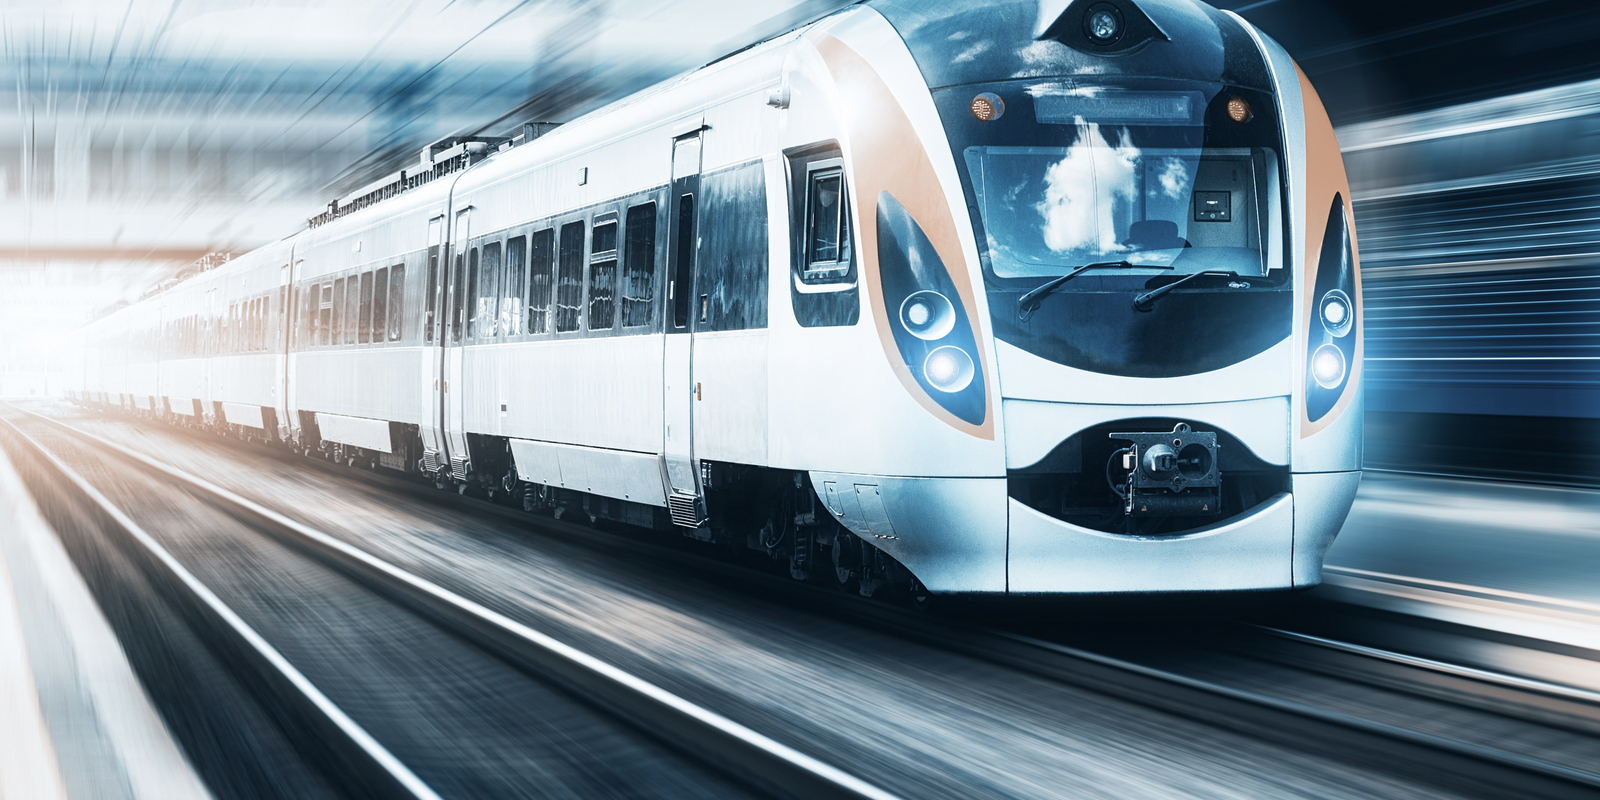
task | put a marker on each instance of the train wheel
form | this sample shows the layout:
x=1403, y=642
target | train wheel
x=845, y=560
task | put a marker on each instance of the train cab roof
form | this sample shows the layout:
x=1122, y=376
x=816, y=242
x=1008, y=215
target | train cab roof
x=960, y=42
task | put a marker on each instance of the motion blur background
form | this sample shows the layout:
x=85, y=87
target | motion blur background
x=139, y=137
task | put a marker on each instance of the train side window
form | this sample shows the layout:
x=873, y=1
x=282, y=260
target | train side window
x=336, y=335
x=827, y=224
x=380, y=303
x=397, y=301
x=432, y=289
x=460, y=297
x=364, y=322
x=325, y=315
x=823, y=289
x=489, y=292
x=541, y=268
x=681, y=288
x=731, y=268
x=603, y=274
x=352, y=308
x=472, y=293
x=515, y=284
x=639, y=266
x=569, y=279
x=310, y=299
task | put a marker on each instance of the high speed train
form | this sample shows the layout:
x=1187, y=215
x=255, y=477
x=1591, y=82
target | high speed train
x=959, y=296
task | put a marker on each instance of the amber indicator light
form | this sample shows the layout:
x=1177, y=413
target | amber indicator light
x=1239, y=109
x=987, y=107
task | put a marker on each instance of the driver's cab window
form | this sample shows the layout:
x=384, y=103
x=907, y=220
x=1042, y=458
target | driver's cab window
x=823, y=288
x=827, y=224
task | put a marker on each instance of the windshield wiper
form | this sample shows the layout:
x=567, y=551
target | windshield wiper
x=1029, y=303
x=1146, y=301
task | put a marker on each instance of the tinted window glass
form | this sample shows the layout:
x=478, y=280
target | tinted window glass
x=430, y=294
x=364, y=323
x=338, y=311
x=325, y=315
x=639, y=266
x=489, y=291
x=541, y=274
x=472, y=293
x=569, y=278
x=397, y=293
x=515, y=286
x=603, y=275
x=827, y=224
x=684, y=274
x=731, y=276
x=605, y=238
x=380, y=303
x=352, y=308
x=460, y=297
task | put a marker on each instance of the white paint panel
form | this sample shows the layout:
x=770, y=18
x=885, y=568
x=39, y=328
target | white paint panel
x=371, y=434
x=602, y=392
x=181, y=405
x=1026, y=376
x=730, y=412
x=1253, y=552
x=242, y=414
x=373, y=382
x=609, y=473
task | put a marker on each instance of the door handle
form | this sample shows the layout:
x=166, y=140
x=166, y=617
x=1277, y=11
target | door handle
x=697, y=394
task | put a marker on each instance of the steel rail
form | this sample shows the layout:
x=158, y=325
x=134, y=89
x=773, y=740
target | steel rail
x=1563, y=691
x=356, y=750
x=705, y=735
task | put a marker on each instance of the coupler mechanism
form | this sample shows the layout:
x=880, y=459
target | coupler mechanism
x=1167, y=474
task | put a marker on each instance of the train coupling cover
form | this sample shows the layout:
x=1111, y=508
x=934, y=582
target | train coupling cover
x=1167, y=474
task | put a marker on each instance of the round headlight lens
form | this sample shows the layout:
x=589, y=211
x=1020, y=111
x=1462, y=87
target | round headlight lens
x=948, y=369
x=1337, y=312
x=928, y=315
x=1327, y=366
x=1103, y=24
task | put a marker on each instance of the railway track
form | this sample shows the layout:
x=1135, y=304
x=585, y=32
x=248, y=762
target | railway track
x=1463, y=766
x=753, y=760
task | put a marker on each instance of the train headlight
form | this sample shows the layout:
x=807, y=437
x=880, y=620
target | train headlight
x=922, y=309
x=948, y=369
x=1327, y=366
x=1333, y=324
x=1336, y=314
x=928, y=315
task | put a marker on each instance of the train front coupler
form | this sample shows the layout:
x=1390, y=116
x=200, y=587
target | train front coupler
x=1167, y=474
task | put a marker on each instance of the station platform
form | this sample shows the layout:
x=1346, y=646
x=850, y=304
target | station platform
x=75, y=723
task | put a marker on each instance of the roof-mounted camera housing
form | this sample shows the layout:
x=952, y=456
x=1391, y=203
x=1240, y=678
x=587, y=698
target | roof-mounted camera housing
x=1104, y=27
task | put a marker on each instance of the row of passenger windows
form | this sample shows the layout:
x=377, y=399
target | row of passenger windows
x=364, y=308
x=508, y=287
x=244, y=327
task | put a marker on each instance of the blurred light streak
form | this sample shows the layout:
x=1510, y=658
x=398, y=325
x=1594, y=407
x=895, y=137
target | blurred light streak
x=136, y=137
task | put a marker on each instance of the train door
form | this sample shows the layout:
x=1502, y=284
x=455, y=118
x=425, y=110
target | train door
x=432, y=351
x=454, y=390
x=683, y=480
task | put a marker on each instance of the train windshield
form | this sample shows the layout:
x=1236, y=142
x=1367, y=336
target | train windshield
x=1101, y=174
x=1163, y=178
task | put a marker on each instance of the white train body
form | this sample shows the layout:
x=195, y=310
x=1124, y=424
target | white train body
x=659, y=314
